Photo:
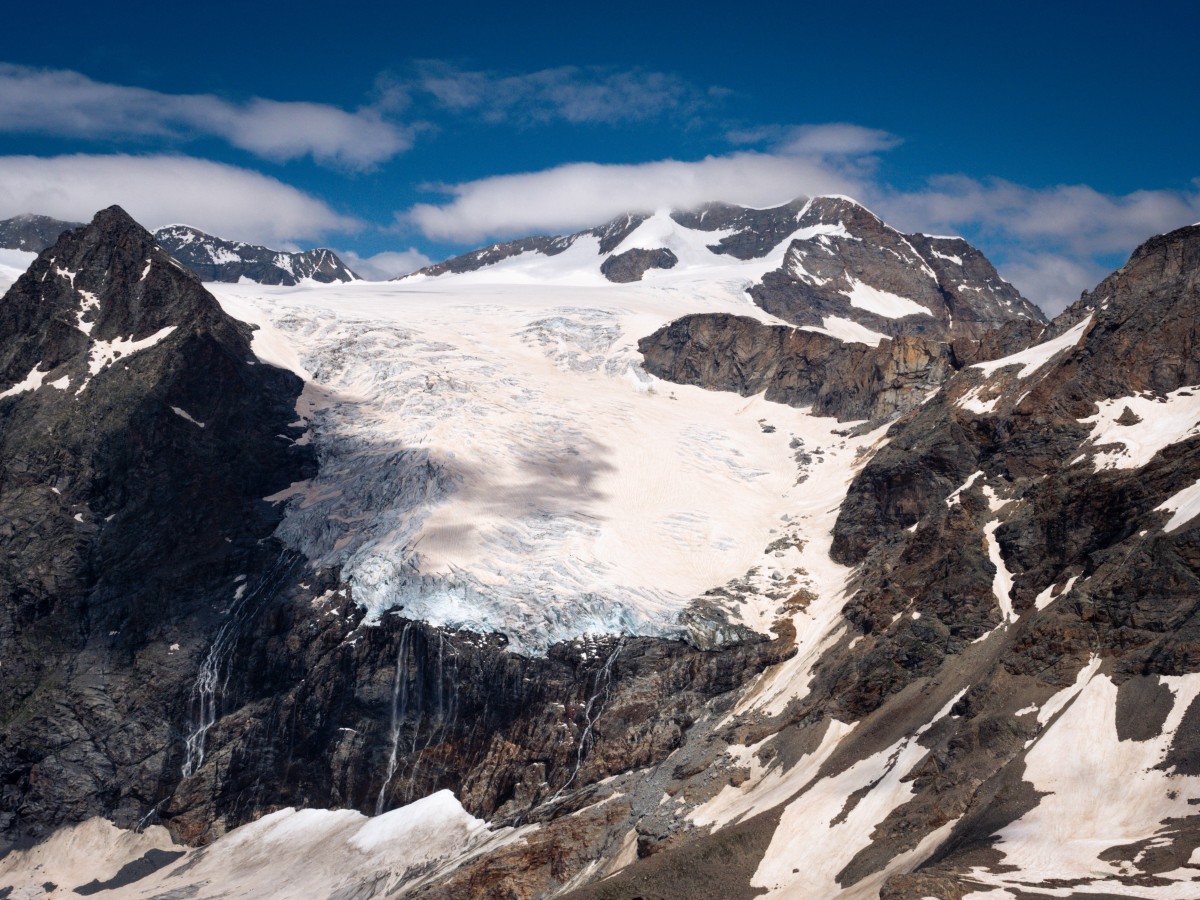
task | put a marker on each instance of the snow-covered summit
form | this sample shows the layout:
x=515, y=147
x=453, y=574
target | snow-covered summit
x=814, y=263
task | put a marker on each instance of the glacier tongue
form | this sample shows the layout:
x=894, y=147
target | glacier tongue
x=493, y=457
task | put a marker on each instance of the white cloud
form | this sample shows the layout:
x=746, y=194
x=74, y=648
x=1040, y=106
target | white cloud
x=571, y=94
x=580, y=195
x=1076, y=217
x=1049, y=242
x=158, y=190
x=386, y=265
x=65, y=103
x=1053, y=281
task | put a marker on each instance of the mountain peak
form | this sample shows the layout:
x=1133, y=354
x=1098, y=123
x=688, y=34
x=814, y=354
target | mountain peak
x=100, y=293
x=115, y=216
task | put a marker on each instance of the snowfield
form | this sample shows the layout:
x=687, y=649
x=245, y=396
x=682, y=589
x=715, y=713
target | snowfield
x=494, y=457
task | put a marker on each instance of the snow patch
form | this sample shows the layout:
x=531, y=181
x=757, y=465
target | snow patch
x=183, y=415
x=289, y=854
x=1185, y=505
x=972, y=400
x=1046, y=597
x=1002, y=581
x=1033, y=358
x=102, y=353
x=1100, y=792
x=949, y=257
x=1163, y=421
x=90, y=304
x=956, y=495
x=816, y=827
x=30, y=382
x=847, y=330
x=890, y=306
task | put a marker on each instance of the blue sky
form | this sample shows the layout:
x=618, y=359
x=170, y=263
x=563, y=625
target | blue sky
x=1054, y=136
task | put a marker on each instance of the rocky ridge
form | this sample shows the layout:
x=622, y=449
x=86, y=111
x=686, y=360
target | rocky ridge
x=743, y=234
x=214, y=259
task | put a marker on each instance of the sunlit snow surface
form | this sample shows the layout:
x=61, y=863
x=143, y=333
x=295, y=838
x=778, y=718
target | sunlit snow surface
x=1096, y=792
x=494, y=457
x=289, y=854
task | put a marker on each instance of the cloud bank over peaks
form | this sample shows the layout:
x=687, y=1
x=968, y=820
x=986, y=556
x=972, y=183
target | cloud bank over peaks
x=63, y=103
x=159, y=190
x=1052, y=243
x=822, y=159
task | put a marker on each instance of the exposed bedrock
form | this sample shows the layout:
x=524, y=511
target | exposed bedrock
x=324, y=711
x=800, y=368
x=633, y=264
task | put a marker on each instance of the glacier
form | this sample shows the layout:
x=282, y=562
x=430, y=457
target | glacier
x=493, y=457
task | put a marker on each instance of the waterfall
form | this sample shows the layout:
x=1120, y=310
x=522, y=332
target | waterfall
x=212, y=681
x=408, y=702
x=443, y=713
x=399, y=712
x=600, y=691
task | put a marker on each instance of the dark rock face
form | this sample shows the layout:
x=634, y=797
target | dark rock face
x=327, y=712
x=756, y=232
x=796, y=367
x=1092, y=571
x=32, y=233
x=214, y=259
x=130, y=500
x=632, y=264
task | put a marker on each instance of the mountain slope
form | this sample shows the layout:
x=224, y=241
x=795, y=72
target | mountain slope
x=137, y=438
x=565, y=556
